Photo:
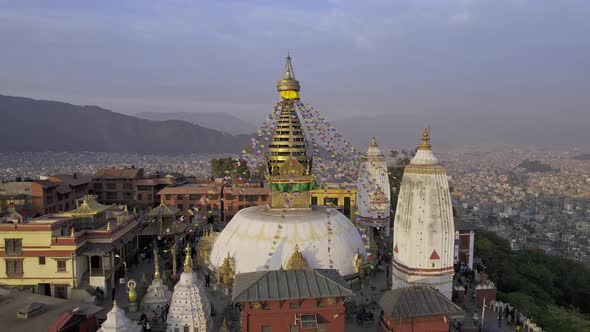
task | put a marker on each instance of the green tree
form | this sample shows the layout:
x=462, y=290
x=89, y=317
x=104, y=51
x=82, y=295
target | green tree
x=229, y=168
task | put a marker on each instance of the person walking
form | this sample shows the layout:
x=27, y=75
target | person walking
x=517, y=327
x=475, y=318
x=500, y=320
x=207, y=280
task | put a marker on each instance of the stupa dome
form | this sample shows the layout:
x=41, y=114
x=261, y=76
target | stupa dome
x=259, y=238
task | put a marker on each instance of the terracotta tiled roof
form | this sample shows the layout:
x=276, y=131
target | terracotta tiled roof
x=71, y=179
x=155, y=181
x=117, y=173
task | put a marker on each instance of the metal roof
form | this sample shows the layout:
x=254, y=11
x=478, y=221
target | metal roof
x=416, y=301
x=289, y=284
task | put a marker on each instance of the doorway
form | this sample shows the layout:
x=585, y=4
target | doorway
x=44, y=289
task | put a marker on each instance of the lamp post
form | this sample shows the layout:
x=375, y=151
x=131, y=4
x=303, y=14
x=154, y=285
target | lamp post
x=124, y=266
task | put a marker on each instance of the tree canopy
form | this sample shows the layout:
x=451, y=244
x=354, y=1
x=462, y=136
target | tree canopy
x=230, y=168
x=554, y=291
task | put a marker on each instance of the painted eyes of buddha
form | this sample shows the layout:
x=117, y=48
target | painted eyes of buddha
x=291, y=195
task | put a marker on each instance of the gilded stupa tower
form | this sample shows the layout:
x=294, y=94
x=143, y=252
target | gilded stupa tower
x=289, y=231
x=288, y=165
x=424, y=230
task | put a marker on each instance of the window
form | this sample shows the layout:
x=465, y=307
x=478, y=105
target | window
x=41, y=260
x=144, y=188
x=14, y=268
x=180, y=197
x=127, y=186
x=61, y=265
x=112, y=186
x=98, y=186
x=149, y=198
x=167, y=197
x=111, y=195
x=14, y=247
x=309, y=321
x=266, y=328
x=194, y=197
x=314, y=200
x=128, y=195
x=186, y=328
x=331, y=201
x=263, y=197
x=139, y=197
x=61, y=291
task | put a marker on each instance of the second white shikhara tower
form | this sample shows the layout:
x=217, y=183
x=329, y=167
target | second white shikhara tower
x=424, y=230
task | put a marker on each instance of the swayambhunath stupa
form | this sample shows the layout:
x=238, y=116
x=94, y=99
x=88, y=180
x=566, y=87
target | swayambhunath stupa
x=268, y=237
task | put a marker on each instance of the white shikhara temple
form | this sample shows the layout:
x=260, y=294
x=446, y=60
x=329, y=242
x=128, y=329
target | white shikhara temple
x=157, y=295
x=117, y=321
x=190, y=309
x=373, y=193
x=264, y=238
x=424, y=230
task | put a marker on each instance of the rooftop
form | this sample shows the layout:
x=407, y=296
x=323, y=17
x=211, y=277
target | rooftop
x=416, y=301
x=118, y=173
x=11, y=302
x=289, y=284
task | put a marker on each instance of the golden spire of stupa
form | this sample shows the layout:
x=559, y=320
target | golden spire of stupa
x=374, y=142
x=425, y=145
x=188, y=260
x=288, y=86
x=297, y=261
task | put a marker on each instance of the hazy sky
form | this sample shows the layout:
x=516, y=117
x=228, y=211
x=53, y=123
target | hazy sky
x=373, y=56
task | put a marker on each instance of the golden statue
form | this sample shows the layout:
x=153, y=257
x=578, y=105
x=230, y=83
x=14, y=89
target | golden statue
x=226, y=273
x=297, y=261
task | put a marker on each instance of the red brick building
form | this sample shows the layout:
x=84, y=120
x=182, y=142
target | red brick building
x=416, y=309
x=291, y=300
x=204, y=199
x=464, y=242
x=116, y=185
x=146, y=190
x=48, y=195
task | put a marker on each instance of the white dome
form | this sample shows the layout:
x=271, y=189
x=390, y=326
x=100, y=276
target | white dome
x=259, y=236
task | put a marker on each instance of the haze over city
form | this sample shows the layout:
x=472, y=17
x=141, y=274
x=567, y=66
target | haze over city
x=465, y=58
x=338, y=165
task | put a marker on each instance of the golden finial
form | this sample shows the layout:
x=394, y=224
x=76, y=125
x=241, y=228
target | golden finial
x=115, y=304
x=374, y=142
x=73, y=232
x=425, y=145
x=297, y=261
x=109, y=225
x=126, y=209
x=288, y=81
x=188, y=260
x=156, y=266
x=226, y=272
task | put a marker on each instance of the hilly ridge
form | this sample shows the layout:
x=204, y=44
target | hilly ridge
x=224, y=122
x=40, y=125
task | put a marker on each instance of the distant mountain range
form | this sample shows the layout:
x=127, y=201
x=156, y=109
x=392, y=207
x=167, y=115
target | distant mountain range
x=224, y=122
x=459, y=128
x=41, y=125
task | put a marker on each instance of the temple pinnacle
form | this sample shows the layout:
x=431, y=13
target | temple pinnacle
x=425, y=145
x=188, y=260
x=374, y=142
x=288, y=86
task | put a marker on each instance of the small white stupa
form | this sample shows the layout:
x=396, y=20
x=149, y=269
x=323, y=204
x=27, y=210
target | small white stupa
x=117, y=321
x=190, y=307
x=157, y=294
x=373, y=197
